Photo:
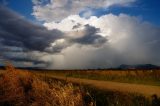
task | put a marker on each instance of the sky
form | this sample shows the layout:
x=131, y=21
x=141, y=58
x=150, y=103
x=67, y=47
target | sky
x=79, y=34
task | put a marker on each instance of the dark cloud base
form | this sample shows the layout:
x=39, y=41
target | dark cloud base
x=18, y=35
x=22, y=41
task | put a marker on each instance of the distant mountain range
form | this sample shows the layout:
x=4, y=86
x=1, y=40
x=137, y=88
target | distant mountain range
x=139, y=66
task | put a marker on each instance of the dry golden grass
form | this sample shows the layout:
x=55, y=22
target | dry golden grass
x=22, y=88
x=149, y=77
x=137, y=73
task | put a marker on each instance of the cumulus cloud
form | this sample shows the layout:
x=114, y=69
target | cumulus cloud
x=56, y=10
x=19, y=38
x=130, y=40
x=76, y=42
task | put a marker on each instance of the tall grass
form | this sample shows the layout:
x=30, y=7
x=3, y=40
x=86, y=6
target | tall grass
x=23, y=88
x=99, y=97
x=116, y=98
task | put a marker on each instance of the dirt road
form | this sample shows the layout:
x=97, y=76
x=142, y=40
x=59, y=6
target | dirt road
x=146, y=90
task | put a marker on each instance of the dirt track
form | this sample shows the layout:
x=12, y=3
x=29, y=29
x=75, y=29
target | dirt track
x=146, y=90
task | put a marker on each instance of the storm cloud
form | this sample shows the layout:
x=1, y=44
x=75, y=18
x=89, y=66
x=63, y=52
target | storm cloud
x=17, y=31
x=91, y=36
x=19, y=35
x=128, y=40
x=75, y=42
x=19, y=38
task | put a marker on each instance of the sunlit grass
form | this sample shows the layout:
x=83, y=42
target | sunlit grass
x=23, y=88
x=148, y=77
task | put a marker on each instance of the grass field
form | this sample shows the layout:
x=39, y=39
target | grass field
x=23, y=88
x=148, y=77
x=39, y=88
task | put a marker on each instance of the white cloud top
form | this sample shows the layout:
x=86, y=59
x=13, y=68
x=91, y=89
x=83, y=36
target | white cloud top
x=130, y=40
x=78, y=42
x=56, y=10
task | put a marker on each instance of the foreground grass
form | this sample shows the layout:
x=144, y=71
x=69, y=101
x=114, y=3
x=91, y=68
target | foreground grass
x=115, y=98
x=22, y=88
x=110, y=97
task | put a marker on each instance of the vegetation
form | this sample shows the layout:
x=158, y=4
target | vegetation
x=22, y=88
x=108, y=97
x=149, y=77
x=115, y=98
